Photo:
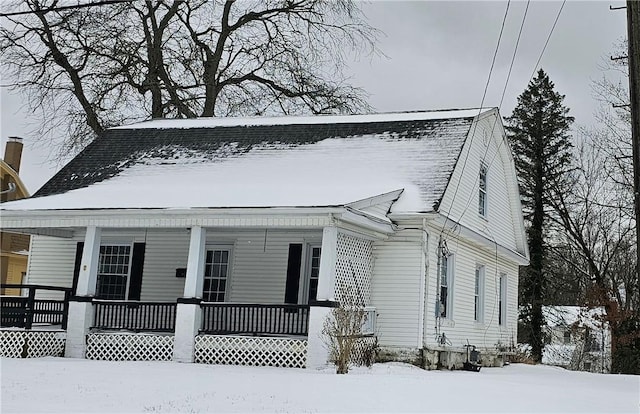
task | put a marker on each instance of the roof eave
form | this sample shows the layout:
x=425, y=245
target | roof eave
x=29, y=220
x=521, y=258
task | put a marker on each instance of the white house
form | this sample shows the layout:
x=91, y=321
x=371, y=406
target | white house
x=229, y=240
x=577, y=338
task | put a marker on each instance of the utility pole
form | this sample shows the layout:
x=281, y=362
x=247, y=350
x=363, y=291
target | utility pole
x=633, y=29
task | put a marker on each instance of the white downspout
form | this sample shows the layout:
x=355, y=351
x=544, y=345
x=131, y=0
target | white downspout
x=425, y=281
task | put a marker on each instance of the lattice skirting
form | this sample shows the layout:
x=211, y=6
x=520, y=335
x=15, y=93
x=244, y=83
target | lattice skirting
x=255, y=351
x=364, y=352
x=129, y=347
x=32, y=344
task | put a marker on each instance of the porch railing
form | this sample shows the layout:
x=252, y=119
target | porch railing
x=134, y=315
x=24, y=311
x=254, y=319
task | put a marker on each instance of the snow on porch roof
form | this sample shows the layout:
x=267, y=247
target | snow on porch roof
x=262, y=162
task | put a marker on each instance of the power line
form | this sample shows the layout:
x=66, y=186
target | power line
x=496, y=278
x=548, y=38
x=504, y=90
x=534, y=70
x=60, y=8
x=484, y=94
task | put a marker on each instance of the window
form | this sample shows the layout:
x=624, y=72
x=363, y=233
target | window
x=567, y=337
x=446, y=285
x=216, y=271
x=113, y=272
x=502, y=300
x=313, y=271
x=478, y=302
x=591, y=343
x=482, y=190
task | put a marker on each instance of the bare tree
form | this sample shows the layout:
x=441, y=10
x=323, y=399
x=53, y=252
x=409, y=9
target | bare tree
x=342, y=334
x=599, y=247
x=85, y=69
x=596, y=219
x=612, y=137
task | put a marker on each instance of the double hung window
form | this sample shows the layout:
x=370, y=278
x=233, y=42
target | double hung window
x=216, y=273
x=446, y=286
x=478, y=297
x=482, y=191
x=313, y=270
x=113, y=271
x=502, y=300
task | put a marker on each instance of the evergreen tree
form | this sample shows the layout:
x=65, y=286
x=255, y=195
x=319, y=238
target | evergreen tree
x=538, y=131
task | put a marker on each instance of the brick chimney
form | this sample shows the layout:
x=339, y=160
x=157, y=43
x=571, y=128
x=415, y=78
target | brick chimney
x=13, y=153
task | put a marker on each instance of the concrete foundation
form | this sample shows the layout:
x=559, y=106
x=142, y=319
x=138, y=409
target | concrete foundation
x=433, y=358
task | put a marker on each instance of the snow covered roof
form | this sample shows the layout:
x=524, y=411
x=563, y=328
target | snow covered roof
x=263, y=162
x=566, y=316
x=304, y=120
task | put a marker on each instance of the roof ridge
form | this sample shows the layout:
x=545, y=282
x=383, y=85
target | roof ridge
x=214, y=122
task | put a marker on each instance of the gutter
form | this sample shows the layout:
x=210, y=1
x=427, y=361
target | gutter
x=440, y=221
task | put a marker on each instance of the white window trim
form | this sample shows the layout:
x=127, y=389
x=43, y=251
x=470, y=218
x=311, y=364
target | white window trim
x=484, y=191
x=106, y=243
x=227, y=289
x=503, y=299
x=305, y=274
x=450, y=290
x=479, y=292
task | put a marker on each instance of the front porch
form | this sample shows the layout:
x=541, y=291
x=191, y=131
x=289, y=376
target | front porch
x=217, y=295
x=244, y=334
x=238, y=334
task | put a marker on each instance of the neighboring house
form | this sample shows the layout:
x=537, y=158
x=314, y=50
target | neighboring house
x=229, y=240
x=14, y=249
x=577, y=338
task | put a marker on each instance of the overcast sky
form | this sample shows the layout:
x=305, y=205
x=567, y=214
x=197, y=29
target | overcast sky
x=438, y=56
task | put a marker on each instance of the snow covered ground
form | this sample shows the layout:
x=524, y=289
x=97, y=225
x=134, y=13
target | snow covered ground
x=76, y=385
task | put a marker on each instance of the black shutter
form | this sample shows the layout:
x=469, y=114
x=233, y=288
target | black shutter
x=137, y=264
x=293, y=273
x=76, y=267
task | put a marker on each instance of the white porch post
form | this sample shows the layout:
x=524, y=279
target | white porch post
x=188, y=314
x=317, y=351
x=327, y=271
x=80, y=307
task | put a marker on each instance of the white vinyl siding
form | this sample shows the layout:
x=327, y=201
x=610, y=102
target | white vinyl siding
x=259, y=261
x=501, y=221
x=260, y=264
x=462, y=326
x=395, y=291
x=51, y=261
x=165, y=251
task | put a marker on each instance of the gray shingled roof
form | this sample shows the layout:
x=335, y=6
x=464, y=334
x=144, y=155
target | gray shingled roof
x=420, y=153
